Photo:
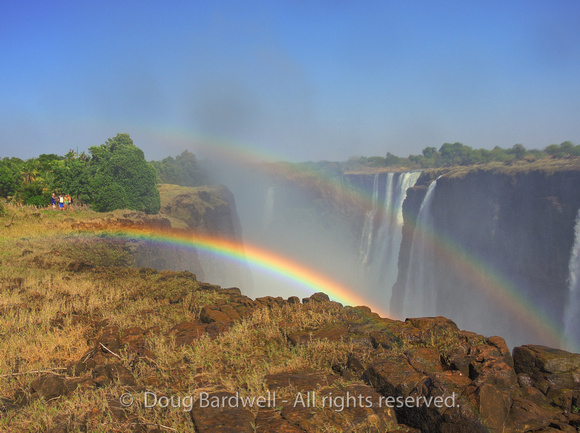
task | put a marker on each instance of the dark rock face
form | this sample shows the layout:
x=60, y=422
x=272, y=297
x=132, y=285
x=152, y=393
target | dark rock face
x=494, y=233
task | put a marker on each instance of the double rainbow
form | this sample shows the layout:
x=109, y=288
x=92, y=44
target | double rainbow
x=496, y=287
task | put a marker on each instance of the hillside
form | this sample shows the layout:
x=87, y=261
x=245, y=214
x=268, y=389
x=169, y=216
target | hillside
x=91, y=342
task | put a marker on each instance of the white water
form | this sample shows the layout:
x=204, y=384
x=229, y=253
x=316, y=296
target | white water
x=572, y=313
x=390, y=232
x=366, y=241
x=419, y=298
x=383, y=232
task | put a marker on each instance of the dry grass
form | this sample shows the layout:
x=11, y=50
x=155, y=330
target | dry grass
x=50, y=316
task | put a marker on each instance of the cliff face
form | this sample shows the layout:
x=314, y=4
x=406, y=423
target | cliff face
x=207, y=210
x=498, y=241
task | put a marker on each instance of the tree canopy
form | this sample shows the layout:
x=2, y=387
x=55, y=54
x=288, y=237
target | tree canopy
x=183, y=170
x=121, y=178
x=114, y=176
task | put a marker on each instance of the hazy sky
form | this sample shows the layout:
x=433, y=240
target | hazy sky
x=299, y=80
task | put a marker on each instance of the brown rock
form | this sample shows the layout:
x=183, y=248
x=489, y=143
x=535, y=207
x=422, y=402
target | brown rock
x=103, y=375
x=216, y=328
x=269, y=301
x=526, y=416
x=384, y=339
x=394, y=376
x=110, y=339
x=436, y=326
x=231, y=291
x=301, y=381
x=501, y=345
x=188, y=332
x=405, y=331
x=424, y=359
x=133, y=341
x=320, y=297
x=49, y=386
x=354, y=408
x=331, y=333
x=494, y=372
x=493, y=407
x=222, y=417
x=218, y=313
x=534, y=359
x=270, y=420
x=555, y=372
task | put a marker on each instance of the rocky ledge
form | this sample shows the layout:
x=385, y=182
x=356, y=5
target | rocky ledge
x=420, y=375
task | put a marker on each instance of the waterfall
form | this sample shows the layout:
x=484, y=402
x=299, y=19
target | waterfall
x=383, y=232
x=572, y=313
x=390, y=231
x=419, y=290
x=366, y=241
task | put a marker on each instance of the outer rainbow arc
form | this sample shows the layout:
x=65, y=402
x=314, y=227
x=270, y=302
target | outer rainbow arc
x=496, y=286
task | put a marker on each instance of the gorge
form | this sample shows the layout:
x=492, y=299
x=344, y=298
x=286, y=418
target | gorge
x=493, y=249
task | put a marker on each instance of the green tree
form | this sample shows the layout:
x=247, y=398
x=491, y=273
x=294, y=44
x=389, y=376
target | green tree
x=184, y=170
x=10, y=178
x=122, y=178
x=518, y=150
x=429, y=152
x=392, y=160
x=73, y=176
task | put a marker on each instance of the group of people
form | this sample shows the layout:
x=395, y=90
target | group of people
x=64, y=202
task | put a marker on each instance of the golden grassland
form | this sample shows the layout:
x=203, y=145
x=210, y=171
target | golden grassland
x=50, y=316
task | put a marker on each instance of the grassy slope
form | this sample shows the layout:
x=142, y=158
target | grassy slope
x=50, y=316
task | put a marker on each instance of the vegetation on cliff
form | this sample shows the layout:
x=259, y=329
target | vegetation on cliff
x=183, y=170
x=458, y=154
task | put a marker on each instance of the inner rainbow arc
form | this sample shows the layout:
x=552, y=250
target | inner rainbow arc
x=266, y=260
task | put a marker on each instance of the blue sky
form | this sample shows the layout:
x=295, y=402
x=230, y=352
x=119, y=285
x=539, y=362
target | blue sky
x=299, y=80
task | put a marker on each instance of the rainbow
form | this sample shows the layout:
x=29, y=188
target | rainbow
x=498, y=288
x=302, y=276
x=310, y=281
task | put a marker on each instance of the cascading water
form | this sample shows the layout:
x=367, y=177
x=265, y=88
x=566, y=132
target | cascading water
x=366, y=243
x=572, y=314
x=382, y=232
x=390, y=232
x=419, y=298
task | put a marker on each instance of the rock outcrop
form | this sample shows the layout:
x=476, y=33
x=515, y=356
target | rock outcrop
x=208, y=211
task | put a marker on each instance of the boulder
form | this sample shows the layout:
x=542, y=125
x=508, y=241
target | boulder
x=223, y=418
